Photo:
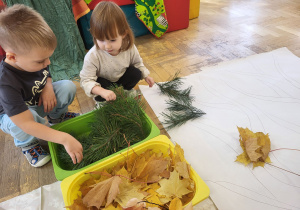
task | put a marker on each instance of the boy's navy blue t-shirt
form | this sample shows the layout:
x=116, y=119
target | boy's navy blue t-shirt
x=20, y=89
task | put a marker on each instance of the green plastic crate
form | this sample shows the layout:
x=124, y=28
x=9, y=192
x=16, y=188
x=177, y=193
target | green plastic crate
x=78, y=126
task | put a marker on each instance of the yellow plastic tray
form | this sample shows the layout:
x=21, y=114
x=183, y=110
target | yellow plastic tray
x=70, y=186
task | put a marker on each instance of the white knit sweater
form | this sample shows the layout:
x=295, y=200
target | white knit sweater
x=99, y=63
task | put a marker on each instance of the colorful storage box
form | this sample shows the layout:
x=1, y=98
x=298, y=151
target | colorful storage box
x=194, y=9
x=177, y=14
x=70, y=186
x=79, y=126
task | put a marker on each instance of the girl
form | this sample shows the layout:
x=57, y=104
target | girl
x=114, y=59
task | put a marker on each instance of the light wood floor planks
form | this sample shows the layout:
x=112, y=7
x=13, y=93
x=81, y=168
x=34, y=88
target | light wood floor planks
x=225, y=30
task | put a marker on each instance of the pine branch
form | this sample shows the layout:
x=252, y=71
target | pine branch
x=113, y=122
x=172, y=89
x=180, y=113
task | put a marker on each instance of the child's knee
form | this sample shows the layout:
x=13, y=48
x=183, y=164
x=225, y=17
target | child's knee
x=69, y=86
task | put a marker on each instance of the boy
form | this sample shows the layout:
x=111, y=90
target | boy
x=27, y=93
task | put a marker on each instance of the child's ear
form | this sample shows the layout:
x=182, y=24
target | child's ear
x=11, y=56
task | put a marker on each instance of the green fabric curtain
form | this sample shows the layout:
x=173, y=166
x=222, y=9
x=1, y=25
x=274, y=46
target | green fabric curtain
x=67, y=59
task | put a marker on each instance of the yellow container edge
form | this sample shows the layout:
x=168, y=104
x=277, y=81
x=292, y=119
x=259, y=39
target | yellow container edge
x=202, y=191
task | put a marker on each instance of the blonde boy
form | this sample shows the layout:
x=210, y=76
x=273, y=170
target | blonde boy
x=27, y=93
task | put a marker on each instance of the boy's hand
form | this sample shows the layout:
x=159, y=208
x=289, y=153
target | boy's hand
x=74, y=149
x=150, y=81
x=108, y=95
x=47, y=97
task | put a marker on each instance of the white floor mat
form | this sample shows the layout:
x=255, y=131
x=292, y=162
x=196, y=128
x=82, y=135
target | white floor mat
x=261, y=92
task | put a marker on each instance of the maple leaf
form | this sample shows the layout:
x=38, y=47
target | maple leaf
x=251, y=146
x=123, y=173
x=154, y=167
x=175, y=204
x=265, y=143
x=87, y=186
x=256, y=147
x=134, y=204
x=128, y=190
x=183, y=169
x=108, y=189
x=153, y=198
x=178, y=155
x=173, y=187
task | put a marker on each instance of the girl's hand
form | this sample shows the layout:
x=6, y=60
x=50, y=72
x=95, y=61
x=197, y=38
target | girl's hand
x=150, y=81
x=108, y=95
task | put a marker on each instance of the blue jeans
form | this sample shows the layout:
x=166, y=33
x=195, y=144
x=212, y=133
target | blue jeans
x=64, y=90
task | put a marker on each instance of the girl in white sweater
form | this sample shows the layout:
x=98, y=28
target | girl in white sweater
x=114, y=59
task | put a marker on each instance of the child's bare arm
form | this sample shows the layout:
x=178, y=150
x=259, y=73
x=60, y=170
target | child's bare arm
x=26, y=122
x=48, y=98
x=108, y=95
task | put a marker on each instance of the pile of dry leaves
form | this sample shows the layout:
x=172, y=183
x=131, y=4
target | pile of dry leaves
x=256, y=147
x=148, y=180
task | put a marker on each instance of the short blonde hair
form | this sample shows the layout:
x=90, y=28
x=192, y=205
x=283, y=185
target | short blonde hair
x=107, y=21
x=22, y=28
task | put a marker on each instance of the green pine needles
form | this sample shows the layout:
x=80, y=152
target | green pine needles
x=180, y=105
x=117, y=124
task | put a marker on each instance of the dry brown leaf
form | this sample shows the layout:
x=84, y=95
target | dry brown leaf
x=251, y=146
x=154, y=167
x=86, y=186
x=183, y=169
x=108, y=189
x=265, y=143
x=133, y=175
x=174, y=187
x=140, y=164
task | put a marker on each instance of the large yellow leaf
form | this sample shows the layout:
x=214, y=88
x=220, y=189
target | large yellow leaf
x=174, y=187
x=128, y=190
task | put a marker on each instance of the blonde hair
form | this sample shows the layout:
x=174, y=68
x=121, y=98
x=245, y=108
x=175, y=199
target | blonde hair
x=22, y=28
x=107, y=21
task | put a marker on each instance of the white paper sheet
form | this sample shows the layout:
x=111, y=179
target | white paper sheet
x=48, y=197
x=261, y=92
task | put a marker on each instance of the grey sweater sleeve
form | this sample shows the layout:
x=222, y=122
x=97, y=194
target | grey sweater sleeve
x=137, y=61
x=89, y=72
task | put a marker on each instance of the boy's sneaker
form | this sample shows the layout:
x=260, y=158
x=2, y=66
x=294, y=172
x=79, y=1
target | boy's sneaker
x=36, y=156
x=63, y=117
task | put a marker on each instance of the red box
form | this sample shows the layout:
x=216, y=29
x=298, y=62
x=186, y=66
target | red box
x=177, y=14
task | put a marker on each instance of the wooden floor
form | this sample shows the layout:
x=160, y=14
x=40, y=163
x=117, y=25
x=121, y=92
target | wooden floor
x=225, y=30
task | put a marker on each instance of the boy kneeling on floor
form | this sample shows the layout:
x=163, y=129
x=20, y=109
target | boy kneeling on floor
x=27, y=93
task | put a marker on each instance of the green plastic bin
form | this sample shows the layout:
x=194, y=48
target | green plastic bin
x=79, y=126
